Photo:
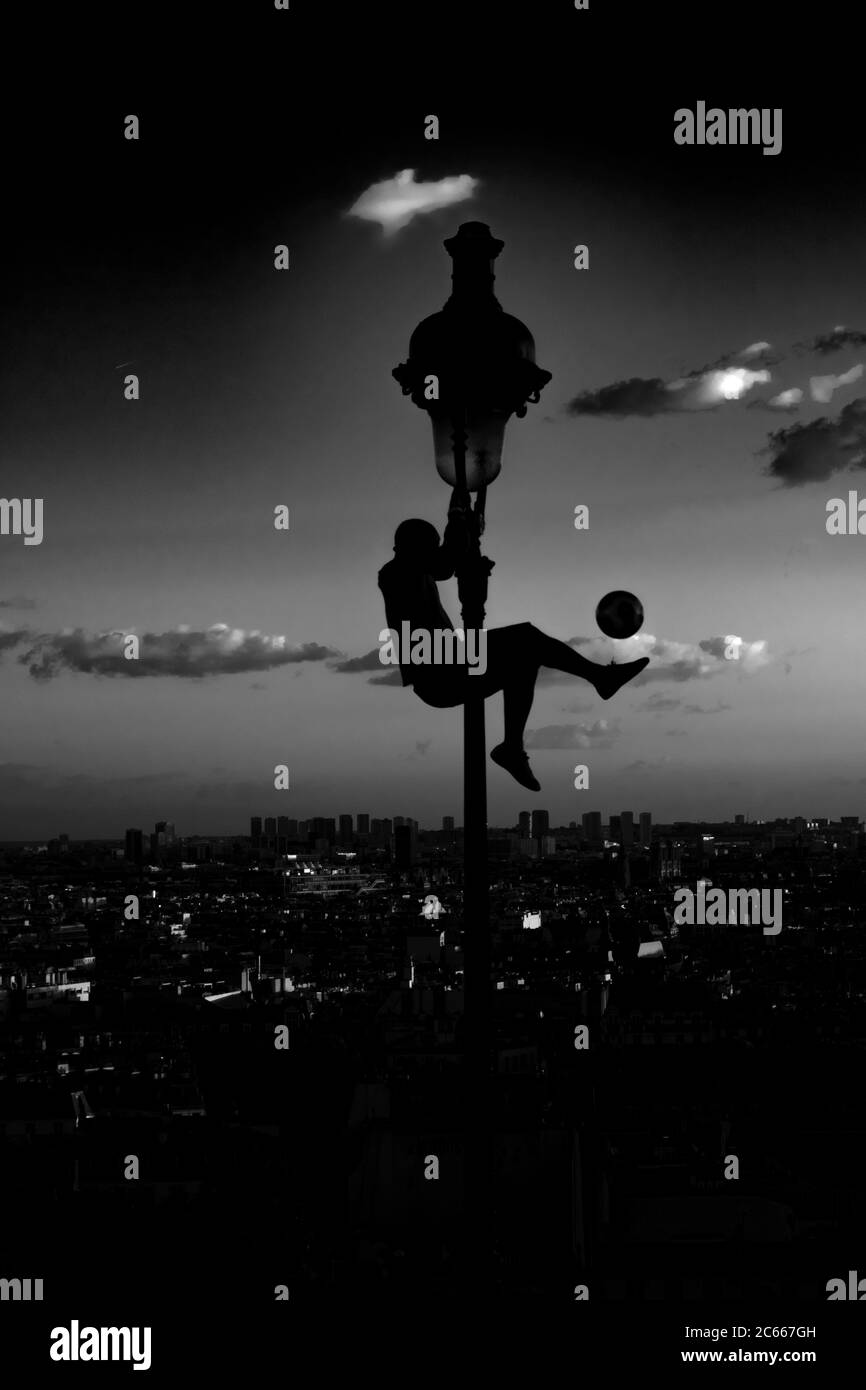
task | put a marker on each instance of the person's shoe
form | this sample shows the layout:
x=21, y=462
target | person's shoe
x=515, y=761
x=611, y=678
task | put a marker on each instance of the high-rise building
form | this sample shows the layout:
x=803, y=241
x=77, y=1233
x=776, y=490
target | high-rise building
x=255, y=828
x=293, y=829
x=646, y=829
x=540, y=823
x=134, y=846
x=524, y=825
x=404, y=846
x=626, y=829
x=164, y=831
x=270, y=826
x=363, y=824
x=739, y=820
x=448, y=825
x=282, y=825
x=592, y=830
x=398, y=821
x=330, y=829
x=387, y=827
x=377, y=826
x=346, y=831
x=613, y=827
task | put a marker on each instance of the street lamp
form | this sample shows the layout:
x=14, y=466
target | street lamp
x=471, y=366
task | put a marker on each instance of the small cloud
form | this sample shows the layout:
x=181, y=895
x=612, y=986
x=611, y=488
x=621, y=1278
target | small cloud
x=785, y=400
x=658, y=704
x=813, y=452
x=214, y=651
x=717, y=708
x=840, y=337
x=675, y=733
x=679, y=661
x=17, y=601
x=822, y=387
x=725, y=380
x=601, y=734
x=392, y=678
x=643, y=765
x=394, y=202
x=421, y=746
x=579, y=707
x=13, y=637
x=368, y=662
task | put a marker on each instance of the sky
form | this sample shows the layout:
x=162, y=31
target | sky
x=718, y=281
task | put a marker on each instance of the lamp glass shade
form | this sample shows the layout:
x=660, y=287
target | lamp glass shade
x=485, y=432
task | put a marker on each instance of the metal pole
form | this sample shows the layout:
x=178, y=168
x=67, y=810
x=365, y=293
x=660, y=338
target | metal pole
x=472, y=588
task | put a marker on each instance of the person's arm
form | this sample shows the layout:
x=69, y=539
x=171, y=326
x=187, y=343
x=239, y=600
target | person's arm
x=458, y=536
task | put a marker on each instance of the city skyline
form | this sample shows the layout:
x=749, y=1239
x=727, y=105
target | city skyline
x=606, y=818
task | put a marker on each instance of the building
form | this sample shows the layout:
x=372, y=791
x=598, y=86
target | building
x=646, y=829
x=540, y=823
x=626, y=829
x=404, y=846
x=592, y=828
x=134, y=847
x=524, y=825
x=255, y=829
x=346, y=830
x=271, y=826
x=613, y=827
x=363, y=824
x=448, y=825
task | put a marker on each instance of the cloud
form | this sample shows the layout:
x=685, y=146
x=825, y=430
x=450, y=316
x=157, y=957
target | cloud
x=717, y=708
x=813, y=452
x=421, y=746
x=17, y=601
x=658, y=704
x=392, y=678
x=736, y=651
x=601, y=734
x=785, y=400
x=13, y=637
x=676, y=661
x=634, y=396
x=822, y=387
x=395, y=201
x=579, y=707
x=841, y=337
x=727, y=379
x=368, y=662
x=218, y=650
x=643, y=765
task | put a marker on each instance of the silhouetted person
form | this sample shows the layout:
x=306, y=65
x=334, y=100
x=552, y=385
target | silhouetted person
x=514, y=654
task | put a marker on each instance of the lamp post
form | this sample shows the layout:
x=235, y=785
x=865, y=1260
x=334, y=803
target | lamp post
x=471, y=366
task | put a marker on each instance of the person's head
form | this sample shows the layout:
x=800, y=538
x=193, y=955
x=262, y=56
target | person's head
x=416, y=541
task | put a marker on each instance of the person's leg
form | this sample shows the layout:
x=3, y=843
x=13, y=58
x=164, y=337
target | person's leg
x=514, y=655
x=517, y=697
x=524, y=647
